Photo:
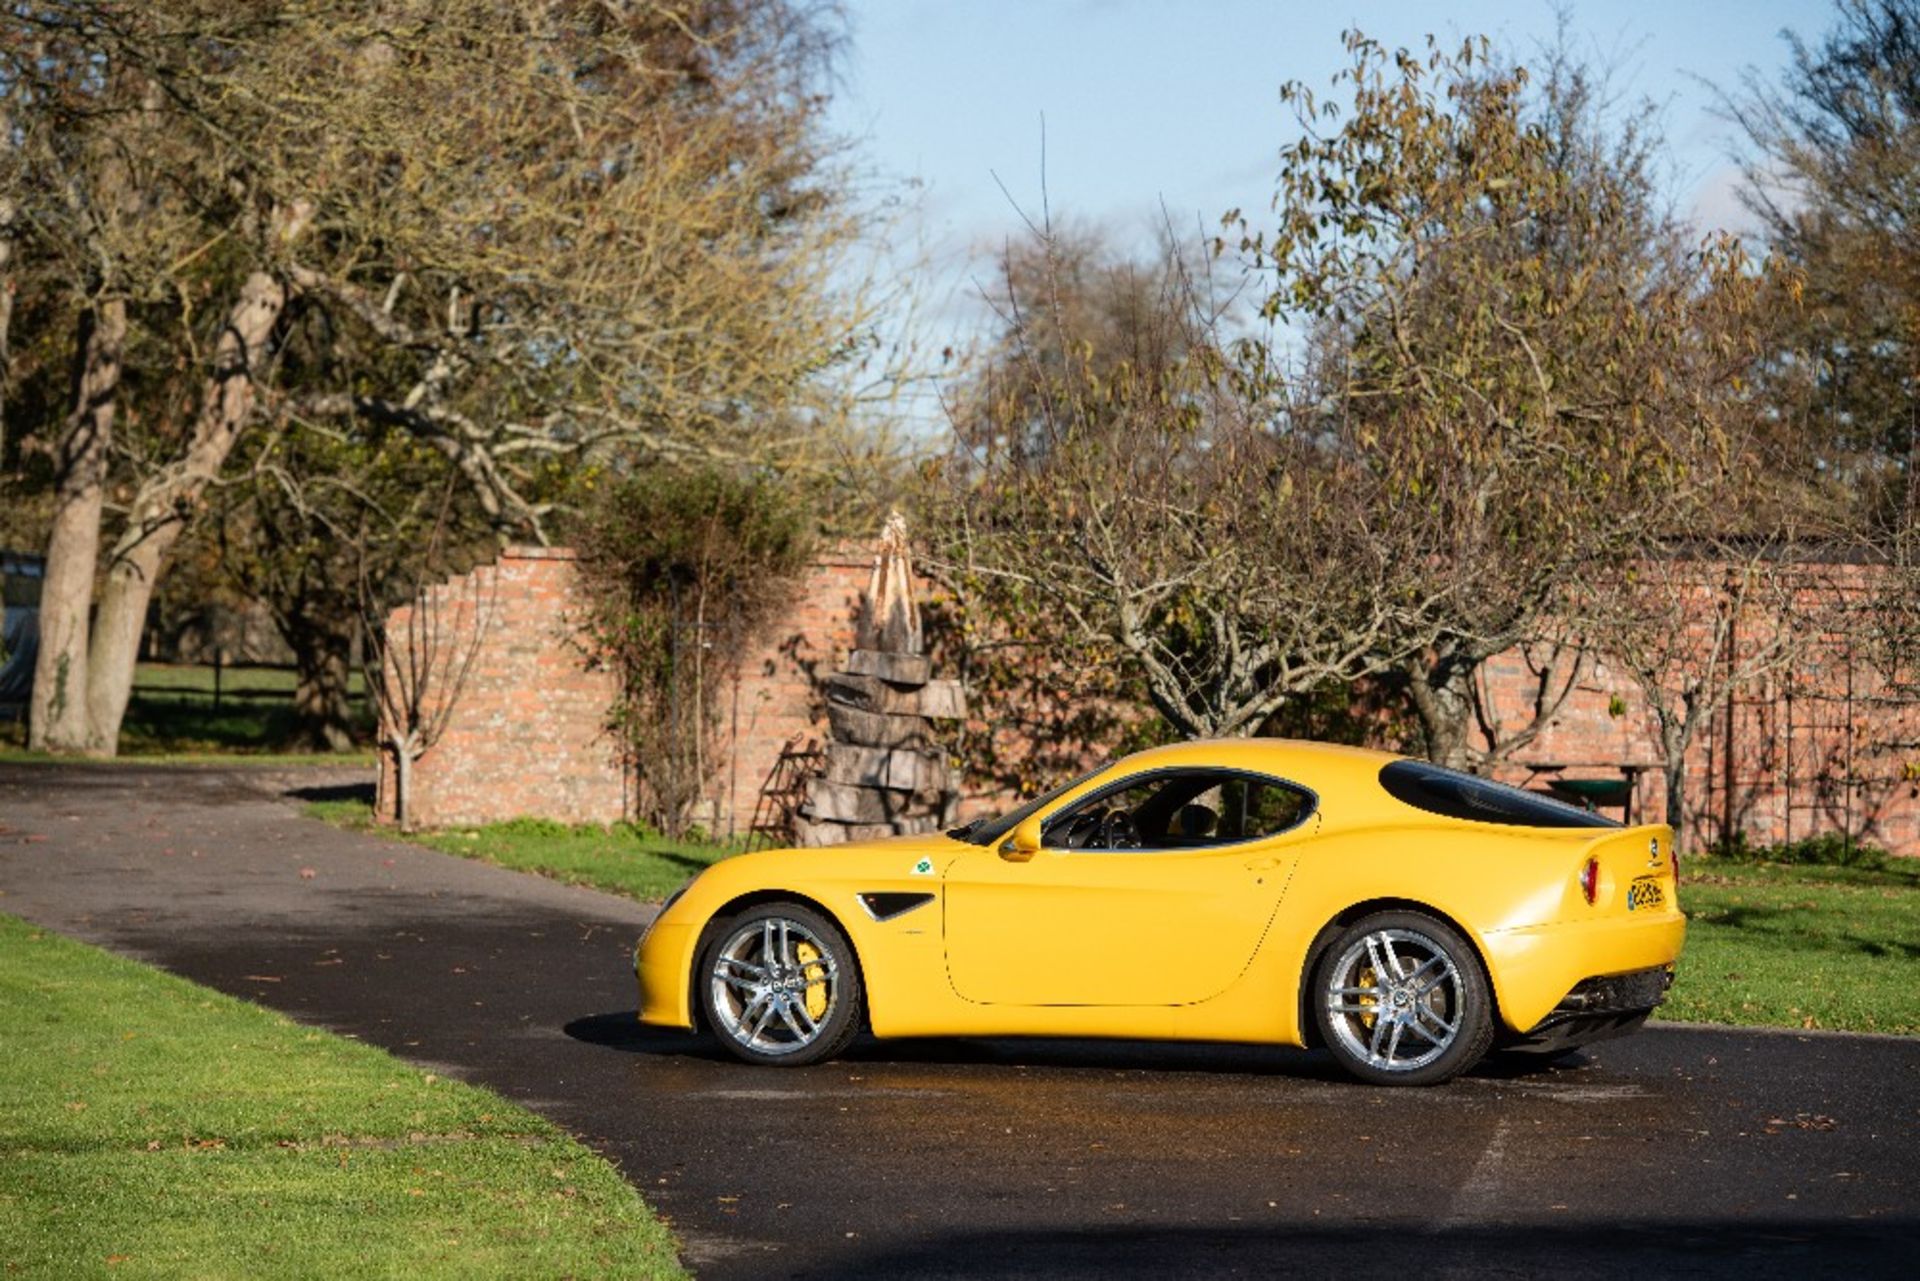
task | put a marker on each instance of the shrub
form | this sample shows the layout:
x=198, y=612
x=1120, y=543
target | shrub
x=1829, y=849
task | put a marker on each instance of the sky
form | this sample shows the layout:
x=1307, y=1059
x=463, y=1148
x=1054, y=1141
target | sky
x=1157, y=104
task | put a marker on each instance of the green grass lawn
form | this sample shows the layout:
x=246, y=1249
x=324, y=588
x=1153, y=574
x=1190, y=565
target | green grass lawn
x=172, y=713
x=242, y=680
x=621, y=859
x=1816, y=947
x=150, y=1127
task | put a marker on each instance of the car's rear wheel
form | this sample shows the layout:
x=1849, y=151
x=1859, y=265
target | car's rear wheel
x=1400, y=999
x=779, y=985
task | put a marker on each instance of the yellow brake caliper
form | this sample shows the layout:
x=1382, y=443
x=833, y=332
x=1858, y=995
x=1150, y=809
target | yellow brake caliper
x=816, y=975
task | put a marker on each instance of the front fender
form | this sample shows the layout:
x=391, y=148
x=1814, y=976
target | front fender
x=899, y=958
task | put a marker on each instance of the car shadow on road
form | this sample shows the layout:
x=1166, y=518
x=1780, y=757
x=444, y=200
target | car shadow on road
x=621, y=1031
x=361, y=792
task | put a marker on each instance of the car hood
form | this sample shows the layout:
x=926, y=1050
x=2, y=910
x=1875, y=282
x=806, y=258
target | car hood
x=896, y=855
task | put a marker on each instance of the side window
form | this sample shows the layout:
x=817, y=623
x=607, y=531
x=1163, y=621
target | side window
x=1252, y=808
x=1178, y=811
x=1109, y=821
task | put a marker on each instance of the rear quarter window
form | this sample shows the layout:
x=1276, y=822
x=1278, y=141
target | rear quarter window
x=1450, y=793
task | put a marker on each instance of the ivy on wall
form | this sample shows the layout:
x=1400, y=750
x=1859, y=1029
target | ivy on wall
x=686, y=567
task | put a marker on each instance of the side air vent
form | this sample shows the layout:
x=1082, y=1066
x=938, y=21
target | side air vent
x=882, y=906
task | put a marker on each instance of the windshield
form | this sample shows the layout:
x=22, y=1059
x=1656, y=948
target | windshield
x=985, y=831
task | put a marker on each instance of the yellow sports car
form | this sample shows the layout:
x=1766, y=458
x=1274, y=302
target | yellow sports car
x=1404, y=916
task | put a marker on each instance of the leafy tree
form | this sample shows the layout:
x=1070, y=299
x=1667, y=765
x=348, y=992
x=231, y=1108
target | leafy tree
x=1068, y=306
x=1525, y=352
x=1126, y=490
x=330, y=530
x=1832, y=169
x=1494, y=366
x=1833, y=175
x=525, y=235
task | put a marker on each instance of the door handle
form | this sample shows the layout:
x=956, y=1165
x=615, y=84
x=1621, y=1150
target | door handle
x=1261, y=864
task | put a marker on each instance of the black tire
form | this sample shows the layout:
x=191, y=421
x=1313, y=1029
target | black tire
x=779, y=986
x=1438, y=1014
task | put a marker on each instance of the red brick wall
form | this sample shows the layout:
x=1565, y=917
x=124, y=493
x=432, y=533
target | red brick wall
x=777, y=695
x=528, y=734
x=1820, y=745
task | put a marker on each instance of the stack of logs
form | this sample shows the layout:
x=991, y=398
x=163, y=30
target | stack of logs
x=885, y=773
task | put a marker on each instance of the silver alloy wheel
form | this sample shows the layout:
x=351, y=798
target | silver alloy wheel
x=764, y=984
x=1395, y=1000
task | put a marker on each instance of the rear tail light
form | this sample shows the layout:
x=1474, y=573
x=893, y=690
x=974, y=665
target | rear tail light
x=1590, y=879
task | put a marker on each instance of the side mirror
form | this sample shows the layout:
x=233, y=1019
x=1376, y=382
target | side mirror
x=1024, y=843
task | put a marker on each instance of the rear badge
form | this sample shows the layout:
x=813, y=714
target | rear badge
x=923, y=868
x=1653, y=852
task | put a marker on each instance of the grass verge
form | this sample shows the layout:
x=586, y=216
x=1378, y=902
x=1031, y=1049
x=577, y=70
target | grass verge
x=622, y=859
x=149, y=1127
x=1800, y=946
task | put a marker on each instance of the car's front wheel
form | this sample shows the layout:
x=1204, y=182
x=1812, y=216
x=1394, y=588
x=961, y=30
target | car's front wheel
x=1400, y=999
x=780, y=986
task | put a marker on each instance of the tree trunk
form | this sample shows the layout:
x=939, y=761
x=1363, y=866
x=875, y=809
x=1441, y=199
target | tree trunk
x=1677, y=728
x=57, y=710
x=1674, y=770
x=8, y=212
x=323, y=651
x=165, y=502
x=402, y=745
x=1442, y=697
x=9, y=220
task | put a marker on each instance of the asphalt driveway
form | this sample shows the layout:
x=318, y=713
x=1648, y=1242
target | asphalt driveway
x=1682, y=1151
